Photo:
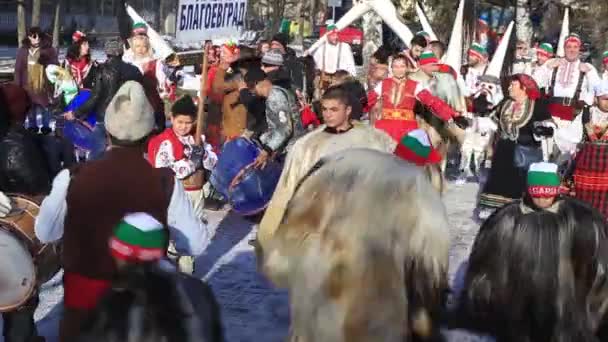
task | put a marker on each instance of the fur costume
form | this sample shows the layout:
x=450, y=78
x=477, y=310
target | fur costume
x=305, y=153
x=363, y=249
x=538, y=275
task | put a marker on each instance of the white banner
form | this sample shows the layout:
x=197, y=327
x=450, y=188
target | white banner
x=200, y=20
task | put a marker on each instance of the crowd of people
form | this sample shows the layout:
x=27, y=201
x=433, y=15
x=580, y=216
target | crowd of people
x=354, y=226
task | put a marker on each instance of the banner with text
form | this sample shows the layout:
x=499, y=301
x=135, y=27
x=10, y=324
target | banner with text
x=200, y=20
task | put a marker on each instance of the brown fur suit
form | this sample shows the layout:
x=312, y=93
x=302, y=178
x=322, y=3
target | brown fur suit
x=363, y=249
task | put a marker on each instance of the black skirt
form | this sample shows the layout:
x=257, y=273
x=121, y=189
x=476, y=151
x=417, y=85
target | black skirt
x=505, y=182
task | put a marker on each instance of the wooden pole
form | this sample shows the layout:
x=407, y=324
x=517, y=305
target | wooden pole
x=200, y=118
x=57, y=24
x=20, y=21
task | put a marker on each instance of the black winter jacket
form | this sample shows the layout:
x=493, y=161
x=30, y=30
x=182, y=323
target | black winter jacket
x=23, y=166
x=110, y=77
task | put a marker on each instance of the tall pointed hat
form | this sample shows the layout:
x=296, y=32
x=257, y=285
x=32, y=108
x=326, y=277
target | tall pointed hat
x=424, y=21
x=564, y=33
x=453, y=56
x=495, y=68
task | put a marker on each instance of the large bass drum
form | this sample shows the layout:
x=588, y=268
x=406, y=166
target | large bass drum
x=247, y=189
x=25, y=263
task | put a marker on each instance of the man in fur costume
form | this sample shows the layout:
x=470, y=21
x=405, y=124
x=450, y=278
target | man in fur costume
x=537, y=267
x=122, y=182
x=356, y=271
x=338, y=133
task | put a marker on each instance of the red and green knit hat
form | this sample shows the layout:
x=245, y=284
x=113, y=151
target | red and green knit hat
x=478, y=51
x=140, y=28
x=139, y=237
x=605, y=57
x=545, y=49
x=543, y=180
x=427, y=57
x=416, y=147
x=424, y=34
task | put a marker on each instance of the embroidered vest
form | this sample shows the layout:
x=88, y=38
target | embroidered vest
x=398, y=100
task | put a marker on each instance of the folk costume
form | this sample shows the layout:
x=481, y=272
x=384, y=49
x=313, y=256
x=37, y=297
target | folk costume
x=396, y=100
x=569, y=85
x=70, y=208
x=544, y=50
x=536, y=274
x=472, y=73
x=29, y=74
x=330, y=58
x=517, y=145
x=82, y=68
x=305, y=153
x=587, y=139
x=154, y=79
x=179, y=153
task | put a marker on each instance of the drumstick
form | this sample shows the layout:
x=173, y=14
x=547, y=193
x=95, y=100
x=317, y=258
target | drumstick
x=200, y=119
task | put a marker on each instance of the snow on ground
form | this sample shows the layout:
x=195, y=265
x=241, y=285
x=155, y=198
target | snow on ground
x=252, y=310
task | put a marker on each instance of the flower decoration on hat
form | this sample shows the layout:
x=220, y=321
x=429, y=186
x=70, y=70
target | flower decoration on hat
x=543, y=180
x=416, y=147
x=231, y=47
x=139, y=237
x=78, y=36
x=140, y=29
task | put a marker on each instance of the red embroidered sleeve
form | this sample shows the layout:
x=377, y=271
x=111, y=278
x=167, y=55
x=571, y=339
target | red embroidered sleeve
x=441, y=109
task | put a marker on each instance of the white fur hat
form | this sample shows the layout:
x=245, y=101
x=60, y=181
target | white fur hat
x=129, y=116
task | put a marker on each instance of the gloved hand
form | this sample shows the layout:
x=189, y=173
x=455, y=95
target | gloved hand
x=5, y=205
x=197, y=154
x=543, y=131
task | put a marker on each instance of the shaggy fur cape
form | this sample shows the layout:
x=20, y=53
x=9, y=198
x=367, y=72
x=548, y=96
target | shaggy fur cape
x=538, y=275
x=363, y=249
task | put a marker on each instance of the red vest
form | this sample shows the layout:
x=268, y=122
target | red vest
x=398, y=100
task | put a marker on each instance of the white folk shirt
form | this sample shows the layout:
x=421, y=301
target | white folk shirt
x=567, y=78
x=165, y=158
x=605, y=75
x=331, y=58
x=190, y=234
x=471, y=78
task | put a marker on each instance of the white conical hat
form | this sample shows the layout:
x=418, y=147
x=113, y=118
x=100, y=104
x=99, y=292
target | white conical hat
x=453, y=56
x=424, y=21
x=564, y=33
x=387, y=11
x=162, y=50
x=383, y=8
x=495, y=67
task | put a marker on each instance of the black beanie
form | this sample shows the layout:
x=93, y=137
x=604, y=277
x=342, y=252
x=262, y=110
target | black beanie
x=255, y=75
x=184, y=106
x=282, y=38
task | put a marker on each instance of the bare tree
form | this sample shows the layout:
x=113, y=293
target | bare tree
x=57, y=24
x=20, y=21
x=36, y=12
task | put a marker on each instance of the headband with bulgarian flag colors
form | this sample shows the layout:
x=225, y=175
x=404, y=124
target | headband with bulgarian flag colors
x=427, y=57
x=573, y=38
x=545, y=49
x=416, y=147
x=478, y=51
x=332, y=29
x=543, y=180
x=605, y=57
x=139, y=237
x=140, y=28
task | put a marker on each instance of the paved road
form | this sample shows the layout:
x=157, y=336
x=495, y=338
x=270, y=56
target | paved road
x=251, y=309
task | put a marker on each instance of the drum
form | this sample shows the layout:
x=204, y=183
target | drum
x=77, y=131
x=25, y=263
x=247, y=189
